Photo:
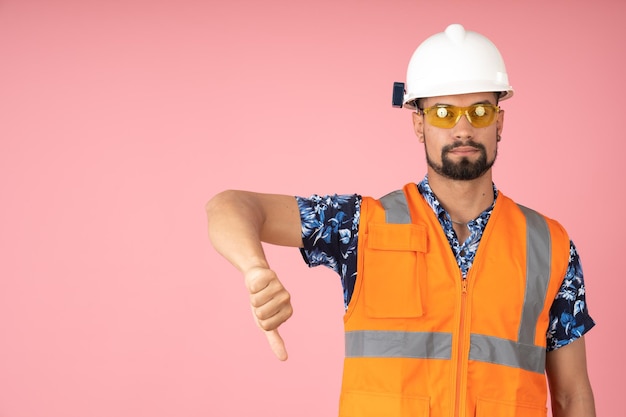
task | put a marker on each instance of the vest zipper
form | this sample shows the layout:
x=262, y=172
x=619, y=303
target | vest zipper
x=459, y=397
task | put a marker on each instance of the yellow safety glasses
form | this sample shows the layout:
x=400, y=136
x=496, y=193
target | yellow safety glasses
x=479, y=115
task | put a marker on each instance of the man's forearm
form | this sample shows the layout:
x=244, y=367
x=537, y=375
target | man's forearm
x=235, y=223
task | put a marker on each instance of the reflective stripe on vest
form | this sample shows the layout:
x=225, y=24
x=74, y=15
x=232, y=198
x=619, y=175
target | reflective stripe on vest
x=396, y=208
x=522, y=354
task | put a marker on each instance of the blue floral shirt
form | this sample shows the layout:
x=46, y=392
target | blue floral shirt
x=330, y=227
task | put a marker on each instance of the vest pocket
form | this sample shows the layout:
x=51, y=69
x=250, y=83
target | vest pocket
x=394, y=269
x=374, y=404
x=490, y=408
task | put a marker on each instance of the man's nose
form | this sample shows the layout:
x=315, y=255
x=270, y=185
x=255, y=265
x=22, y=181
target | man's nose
x=463, y=128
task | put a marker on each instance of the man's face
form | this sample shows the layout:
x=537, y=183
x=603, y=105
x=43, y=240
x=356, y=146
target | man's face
x=463, y=151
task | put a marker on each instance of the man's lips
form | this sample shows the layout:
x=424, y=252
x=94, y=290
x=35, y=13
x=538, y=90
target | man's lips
x=464, y=150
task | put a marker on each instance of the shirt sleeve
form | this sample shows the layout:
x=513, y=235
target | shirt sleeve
x=330, y=226
x=569, y=317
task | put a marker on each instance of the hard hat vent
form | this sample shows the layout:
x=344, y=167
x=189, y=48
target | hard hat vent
x=456, y=33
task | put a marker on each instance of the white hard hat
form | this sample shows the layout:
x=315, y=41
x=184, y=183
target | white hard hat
x=455, y=62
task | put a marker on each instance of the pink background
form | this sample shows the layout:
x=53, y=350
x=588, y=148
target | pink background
x=120, y=119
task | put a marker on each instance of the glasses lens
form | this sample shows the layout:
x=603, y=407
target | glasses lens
x=479, y=115
x=482, y=115
x=442, y=116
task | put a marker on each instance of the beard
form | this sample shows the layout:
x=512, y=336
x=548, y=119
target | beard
x=464, y=169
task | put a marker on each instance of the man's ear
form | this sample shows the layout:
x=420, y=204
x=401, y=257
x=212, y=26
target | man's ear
x=418, y=126
x=500, y=123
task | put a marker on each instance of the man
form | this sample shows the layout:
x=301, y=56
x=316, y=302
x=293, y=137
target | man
x=458, y=301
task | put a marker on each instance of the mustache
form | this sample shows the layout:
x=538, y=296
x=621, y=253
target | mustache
x=458, y=144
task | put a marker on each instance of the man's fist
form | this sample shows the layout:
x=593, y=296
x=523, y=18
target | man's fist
x=271, y=305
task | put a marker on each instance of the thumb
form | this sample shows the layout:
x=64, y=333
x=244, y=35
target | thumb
x=277, y=344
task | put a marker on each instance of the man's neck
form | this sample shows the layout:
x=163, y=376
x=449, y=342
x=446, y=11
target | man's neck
x=463, y=200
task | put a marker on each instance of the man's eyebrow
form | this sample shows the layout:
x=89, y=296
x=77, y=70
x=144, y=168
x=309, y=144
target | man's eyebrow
x=452, y=105
x=482, y=102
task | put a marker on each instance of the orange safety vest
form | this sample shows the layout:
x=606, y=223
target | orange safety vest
x=422, y=341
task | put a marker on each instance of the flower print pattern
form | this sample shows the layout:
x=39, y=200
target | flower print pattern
x=466, y=251
x=330, y=235
x=569, y=318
